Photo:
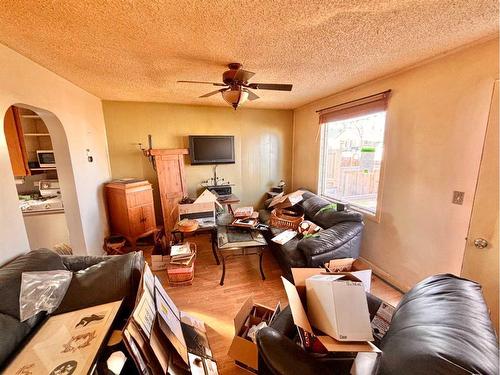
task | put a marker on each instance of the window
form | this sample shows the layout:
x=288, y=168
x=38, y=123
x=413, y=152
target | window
x=352, y=147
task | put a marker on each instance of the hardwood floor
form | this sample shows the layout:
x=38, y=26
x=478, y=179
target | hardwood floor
x=217, y=305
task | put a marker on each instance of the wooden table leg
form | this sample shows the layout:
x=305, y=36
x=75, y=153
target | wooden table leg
x=213, y=238
x=261, y=253
x=223, y=270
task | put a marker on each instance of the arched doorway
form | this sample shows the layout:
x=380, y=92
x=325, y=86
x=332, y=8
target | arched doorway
x=42, y=142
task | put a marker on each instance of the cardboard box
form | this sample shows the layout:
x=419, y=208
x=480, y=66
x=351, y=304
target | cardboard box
x=289, y=200
x=297, y=300
x=164, y=339
x=356, y=267
x=203, y=213
x=336, y=305
x=159, y=262
x=243, y=350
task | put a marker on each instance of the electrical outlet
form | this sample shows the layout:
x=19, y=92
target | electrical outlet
x=458, y=197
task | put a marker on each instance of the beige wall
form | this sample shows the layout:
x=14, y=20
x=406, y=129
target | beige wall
x=74, y=119
x=263, y=143
x=436, y=123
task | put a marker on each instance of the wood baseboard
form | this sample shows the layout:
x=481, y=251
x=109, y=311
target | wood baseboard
x=386, y=276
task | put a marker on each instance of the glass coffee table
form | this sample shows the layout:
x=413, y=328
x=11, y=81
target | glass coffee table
x=235, y=241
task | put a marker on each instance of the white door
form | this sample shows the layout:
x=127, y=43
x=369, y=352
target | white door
x=481, y=250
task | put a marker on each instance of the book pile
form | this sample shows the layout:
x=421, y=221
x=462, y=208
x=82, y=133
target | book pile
x=182, y=255
x=163, y=339
x=243, y=212
x=245, y=217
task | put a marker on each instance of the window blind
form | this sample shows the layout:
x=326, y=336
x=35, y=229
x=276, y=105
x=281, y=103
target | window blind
x=359, y=107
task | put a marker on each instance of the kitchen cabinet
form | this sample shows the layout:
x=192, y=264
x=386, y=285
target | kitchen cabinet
x=15, y=143
x=131, y=209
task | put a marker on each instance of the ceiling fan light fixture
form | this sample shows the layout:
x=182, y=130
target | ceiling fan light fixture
x=235, y=96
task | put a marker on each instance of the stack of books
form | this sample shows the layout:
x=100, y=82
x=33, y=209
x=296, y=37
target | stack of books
x=182, y=255
x=245, y=217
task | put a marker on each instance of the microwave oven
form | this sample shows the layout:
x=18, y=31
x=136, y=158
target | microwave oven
x=46, y=158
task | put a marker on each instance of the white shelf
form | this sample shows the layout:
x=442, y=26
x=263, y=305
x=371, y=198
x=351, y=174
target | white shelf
x=36, y=134
x=43, y=169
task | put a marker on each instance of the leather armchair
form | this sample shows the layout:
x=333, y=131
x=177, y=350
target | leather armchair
x=441, y=326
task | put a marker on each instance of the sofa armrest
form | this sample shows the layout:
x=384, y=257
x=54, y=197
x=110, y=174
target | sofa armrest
x=77, y=263
x=280, y=355
x=330, y=239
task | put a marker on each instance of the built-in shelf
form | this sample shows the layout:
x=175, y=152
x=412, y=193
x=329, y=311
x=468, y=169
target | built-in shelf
x=43, y=169
x=30, y=116
x=36, y=134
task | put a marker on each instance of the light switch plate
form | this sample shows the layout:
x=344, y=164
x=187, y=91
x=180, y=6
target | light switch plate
x=458, y=197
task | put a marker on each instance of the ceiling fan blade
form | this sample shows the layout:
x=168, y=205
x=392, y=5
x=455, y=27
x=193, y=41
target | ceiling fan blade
x=243, y=75
x=251, y=95
x=213, y=92
x=208, y=83
x=271, y=86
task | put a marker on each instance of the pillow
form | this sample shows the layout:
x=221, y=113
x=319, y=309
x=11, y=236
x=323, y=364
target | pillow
x=329, y=217
x=110, y=280
x=10, y=276
x=312, y=205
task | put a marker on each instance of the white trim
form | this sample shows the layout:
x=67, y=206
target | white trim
x=386, y=276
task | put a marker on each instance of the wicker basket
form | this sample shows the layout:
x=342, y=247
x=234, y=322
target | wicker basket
x=285, y=218
x=178, y=274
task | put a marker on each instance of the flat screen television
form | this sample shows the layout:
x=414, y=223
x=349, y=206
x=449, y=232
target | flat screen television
x=211, y=149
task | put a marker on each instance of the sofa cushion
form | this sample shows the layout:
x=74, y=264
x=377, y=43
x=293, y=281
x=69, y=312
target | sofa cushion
x=289, y=252
x=14, y=332
x=328, y=239
x=110, y=280
x=10, y=276
x=329, y=217
x=442, y=326
x=312, y=205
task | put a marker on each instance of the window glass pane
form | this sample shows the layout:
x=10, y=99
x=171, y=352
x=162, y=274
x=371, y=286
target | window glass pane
x=352, y=155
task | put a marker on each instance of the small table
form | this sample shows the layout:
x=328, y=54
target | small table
x=213, y=237
x=233, y=241
x=228, y=201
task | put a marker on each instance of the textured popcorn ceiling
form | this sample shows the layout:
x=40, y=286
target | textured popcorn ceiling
x=136, y=50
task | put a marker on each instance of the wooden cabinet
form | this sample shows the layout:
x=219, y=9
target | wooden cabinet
x=172, y=181
x=131, y=209
x=15, y=143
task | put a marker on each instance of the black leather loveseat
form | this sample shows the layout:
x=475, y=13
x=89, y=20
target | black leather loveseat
x=96, y=280
x=340, y=237
x=441, y=326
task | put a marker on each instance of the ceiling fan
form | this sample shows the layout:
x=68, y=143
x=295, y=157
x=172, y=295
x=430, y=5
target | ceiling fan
x=236, y=88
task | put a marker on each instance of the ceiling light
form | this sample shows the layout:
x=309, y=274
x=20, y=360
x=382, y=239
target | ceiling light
x=235, y=96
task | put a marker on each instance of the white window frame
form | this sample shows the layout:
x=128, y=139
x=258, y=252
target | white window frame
x=366, y=213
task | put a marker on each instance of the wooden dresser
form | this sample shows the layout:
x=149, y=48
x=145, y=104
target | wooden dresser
x=131, y=209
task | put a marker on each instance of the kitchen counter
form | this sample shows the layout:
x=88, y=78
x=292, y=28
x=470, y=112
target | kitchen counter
x=43, y=212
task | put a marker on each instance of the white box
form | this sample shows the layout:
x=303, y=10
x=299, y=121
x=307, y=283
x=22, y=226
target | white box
x=337, y=306
x=355, y=267
x=159, y=262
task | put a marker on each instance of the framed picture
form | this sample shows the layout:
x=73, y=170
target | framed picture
x=67, y=343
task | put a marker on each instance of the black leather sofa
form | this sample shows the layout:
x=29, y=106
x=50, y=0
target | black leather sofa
x=96, y=280
x=441, y=326
x=340, y=237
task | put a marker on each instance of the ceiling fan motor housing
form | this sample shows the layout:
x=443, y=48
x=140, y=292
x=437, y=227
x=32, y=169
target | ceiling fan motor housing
x=228, y=75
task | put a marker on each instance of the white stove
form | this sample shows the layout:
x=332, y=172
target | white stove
x=50, y=201
x=36, y=205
